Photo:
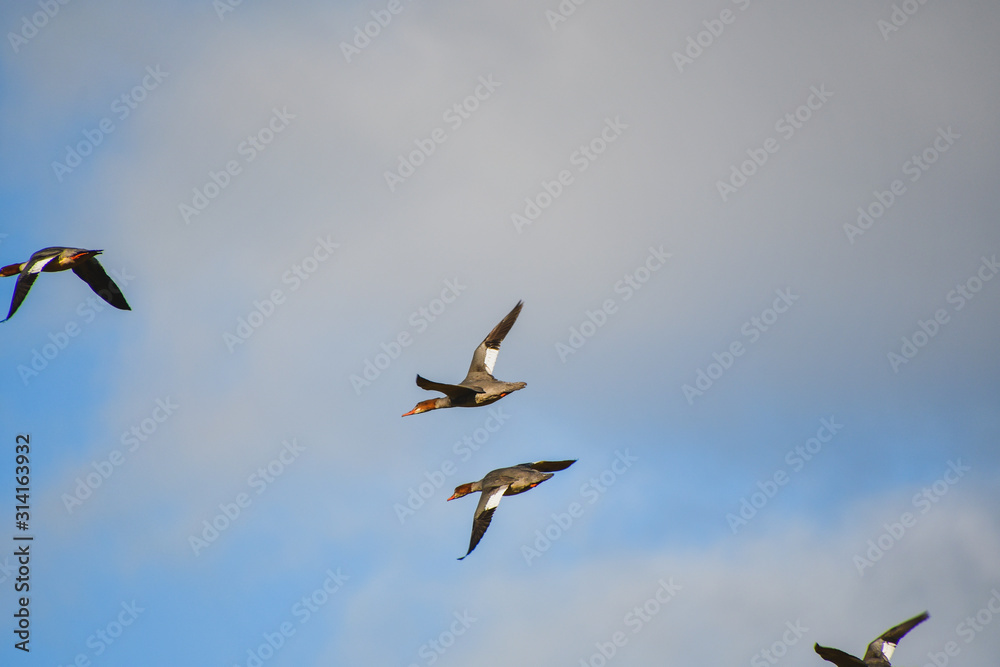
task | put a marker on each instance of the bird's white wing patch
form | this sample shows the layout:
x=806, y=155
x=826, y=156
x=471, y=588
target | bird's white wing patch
x=887, y=649
x=40, y=264
x=490, y=358
x=495, y=497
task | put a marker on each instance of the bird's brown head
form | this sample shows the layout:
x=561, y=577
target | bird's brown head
x=461, y=490
x=423, y=406
x=10, y=270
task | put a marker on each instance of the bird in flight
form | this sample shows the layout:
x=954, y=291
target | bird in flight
x=84, y=264
x=504, y=482
x=879, y=651
x=479, y=386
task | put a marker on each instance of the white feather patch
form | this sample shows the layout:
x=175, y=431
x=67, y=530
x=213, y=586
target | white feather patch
x=495, y=497
x=887, y=649
x=490, y=359
x=37, y=266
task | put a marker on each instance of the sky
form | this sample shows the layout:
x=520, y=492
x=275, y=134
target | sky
x=757, y=246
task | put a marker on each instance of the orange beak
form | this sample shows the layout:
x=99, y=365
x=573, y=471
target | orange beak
x=422, y=406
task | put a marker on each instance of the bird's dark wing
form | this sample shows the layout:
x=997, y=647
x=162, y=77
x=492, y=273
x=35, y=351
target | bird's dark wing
x=457, y=393
x=488, y=502
x=895, y=634
x=485, y=356
x=27, y=277
x=549, y=466
x=21, y=287
x=838, y=657
x=883, y=647
x=92, y=273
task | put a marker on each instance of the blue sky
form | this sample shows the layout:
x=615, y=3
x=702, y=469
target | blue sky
x=283, y=212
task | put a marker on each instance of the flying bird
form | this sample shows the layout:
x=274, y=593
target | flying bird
x=504, y=482
x=479, y=387
x=84, y=264
x=879, y=651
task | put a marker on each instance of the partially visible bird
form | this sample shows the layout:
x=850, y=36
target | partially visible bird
x=479, y=386
x=84, y=264
x=879, y=651
x=504, y=482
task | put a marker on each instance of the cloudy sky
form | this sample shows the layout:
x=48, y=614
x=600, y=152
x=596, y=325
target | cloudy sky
x=756, y=244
